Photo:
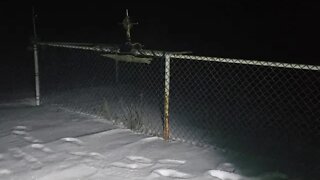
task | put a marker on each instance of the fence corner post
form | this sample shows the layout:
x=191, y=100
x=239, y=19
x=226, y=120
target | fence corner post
x=166, y=131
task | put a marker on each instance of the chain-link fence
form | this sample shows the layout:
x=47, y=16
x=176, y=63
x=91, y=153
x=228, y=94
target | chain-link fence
x=261, y=108
x=129, y=94
x=248, y=106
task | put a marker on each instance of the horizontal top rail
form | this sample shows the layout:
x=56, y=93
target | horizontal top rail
x=108, y=49
x=249, y=62
x=72, y=46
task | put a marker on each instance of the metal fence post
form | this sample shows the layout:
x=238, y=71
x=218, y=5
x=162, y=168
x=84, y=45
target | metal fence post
x=36, y=74
x=36, y=63
x=166, y=133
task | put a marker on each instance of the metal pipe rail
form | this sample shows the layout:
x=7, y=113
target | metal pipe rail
x=175, y=55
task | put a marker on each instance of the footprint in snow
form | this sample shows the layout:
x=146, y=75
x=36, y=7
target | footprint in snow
x=19, y=133
x=139, y=159
x=131, y=165
x=172, y=173
x=41, y=147
x=17, y=153
x=20, y=128
x=30, y=158
x=73, y=140
x=96, y=155
x=31, y=139
x=171, y=161
x=78, y=153
x=35, y=163
x=88, y=154
x=22, y=131
x=5, y=172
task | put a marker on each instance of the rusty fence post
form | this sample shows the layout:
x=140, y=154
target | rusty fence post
x=166, y=132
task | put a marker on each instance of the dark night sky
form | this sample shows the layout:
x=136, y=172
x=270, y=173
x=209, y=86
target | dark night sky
x=285, y=31
x=252, y=30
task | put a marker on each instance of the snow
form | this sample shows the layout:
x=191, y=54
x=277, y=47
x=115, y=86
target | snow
x=171, y=161
x=5, y=172
x=136, y=165
x=49, y=143
x=20, y=128
x=139, y=159
x=172, y=173
x=73, y=140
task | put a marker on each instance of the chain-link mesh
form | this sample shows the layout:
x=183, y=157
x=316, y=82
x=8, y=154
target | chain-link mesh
x=260, y=108
x=263, y=110
x=128, y=94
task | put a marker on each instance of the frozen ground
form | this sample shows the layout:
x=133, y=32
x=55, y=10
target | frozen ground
x=50, y=143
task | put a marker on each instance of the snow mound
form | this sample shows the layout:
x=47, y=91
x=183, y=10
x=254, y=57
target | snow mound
x=130, y=165
x=224, y=175
x=88, y=154
x=31, y=139
x=75, y=172
x=139, y=159
x=42, y=148
x=72, y=140
x=172, y=161
x=20, y=128
x=19, y=132
x=4, y=172
x=172, y=173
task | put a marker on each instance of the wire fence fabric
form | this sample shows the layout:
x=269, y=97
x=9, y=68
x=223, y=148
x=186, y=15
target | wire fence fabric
x=263, y=108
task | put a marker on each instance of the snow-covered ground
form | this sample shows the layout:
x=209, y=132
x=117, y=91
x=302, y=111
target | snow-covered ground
x=50, y=143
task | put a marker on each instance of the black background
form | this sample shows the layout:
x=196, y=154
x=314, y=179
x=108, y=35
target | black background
x=283, y=31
